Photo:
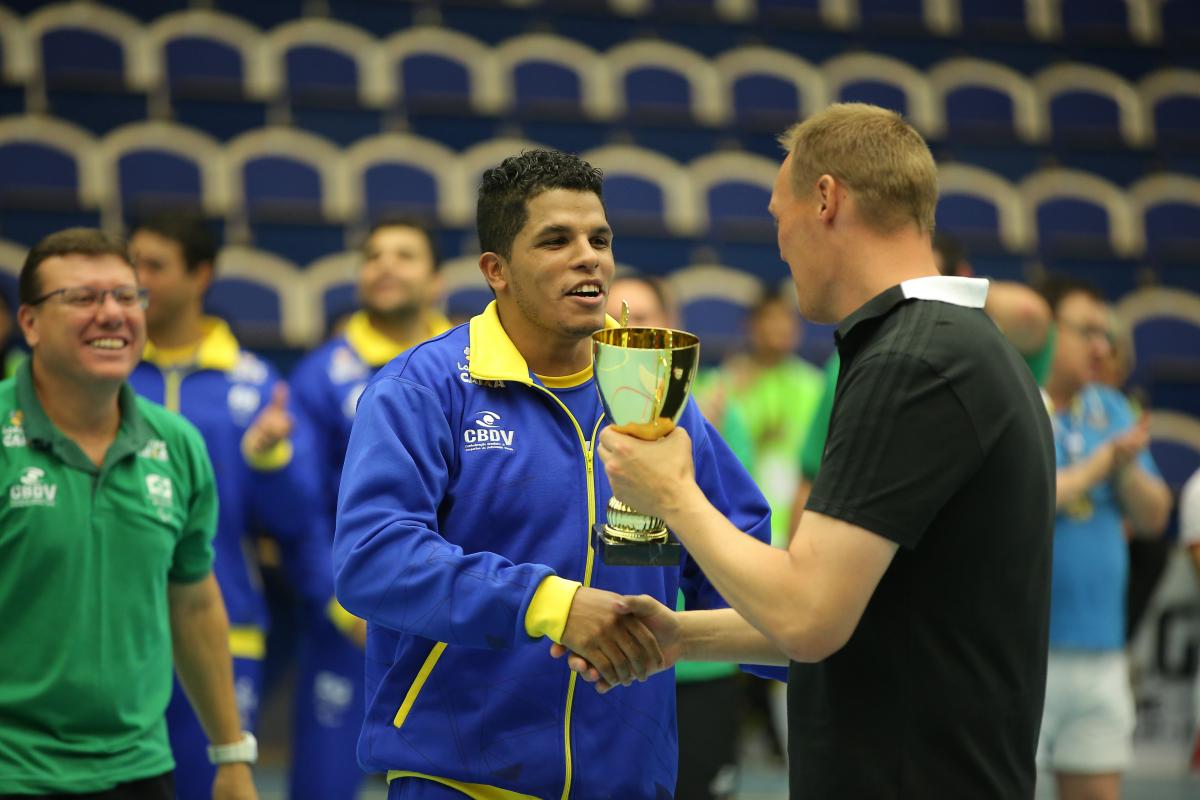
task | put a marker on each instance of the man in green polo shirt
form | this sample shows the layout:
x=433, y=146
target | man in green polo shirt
x=107, y=513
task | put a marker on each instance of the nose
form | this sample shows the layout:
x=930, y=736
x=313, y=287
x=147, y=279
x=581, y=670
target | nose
x=587, y=256
x=109, y=308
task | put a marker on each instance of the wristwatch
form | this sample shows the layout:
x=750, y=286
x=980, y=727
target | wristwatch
x=243, y=751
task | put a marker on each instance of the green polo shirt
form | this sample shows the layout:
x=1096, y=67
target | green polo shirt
x=86, y=555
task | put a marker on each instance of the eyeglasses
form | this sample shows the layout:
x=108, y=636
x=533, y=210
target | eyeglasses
x=87, y=297
x=1095, y=332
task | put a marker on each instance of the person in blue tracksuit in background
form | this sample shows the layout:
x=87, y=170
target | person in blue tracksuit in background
x=463, y=529
x=193, y=365
x=398, y=284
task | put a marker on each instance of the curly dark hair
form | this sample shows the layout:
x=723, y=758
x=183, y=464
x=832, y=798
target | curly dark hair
x=504, y=191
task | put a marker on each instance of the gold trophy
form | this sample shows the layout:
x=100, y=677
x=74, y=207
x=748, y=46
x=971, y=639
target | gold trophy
x=644, y=376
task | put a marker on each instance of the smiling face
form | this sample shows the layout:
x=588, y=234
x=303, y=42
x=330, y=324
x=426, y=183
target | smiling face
x=96, y=344
x=397, y=278
x=557, y=279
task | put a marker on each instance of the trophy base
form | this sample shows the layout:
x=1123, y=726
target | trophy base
x=624, y=553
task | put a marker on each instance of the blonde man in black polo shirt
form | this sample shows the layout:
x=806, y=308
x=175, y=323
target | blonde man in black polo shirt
x=913, y=601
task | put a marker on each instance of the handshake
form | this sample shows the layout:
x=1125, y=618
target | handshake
x=612, y=640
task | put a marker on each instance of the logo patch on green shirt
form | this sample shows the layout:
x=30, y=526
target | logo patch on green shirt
x=31, y=490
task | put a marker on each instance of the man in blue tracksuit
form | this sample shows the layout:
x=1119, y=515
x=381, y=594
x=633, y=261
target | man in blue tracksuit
x=463, y=529
x=397, y=285
x=194, y=366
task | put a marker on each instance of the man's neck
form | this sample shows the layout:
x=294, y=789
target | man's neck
x=186, y=330
x=400, y=328
x=878, y=263
x=545, y=354
x=87, y=413
x=1062, y=392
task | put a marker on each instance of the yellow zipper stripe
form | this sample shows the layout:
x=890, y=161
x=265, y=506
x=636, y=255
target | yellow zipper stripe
x=418, y=683
x=587, y=571
x=172, y=382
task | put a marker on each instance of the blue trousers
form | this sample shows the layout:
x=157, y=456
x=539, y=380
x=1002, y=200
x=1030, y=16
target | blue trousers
x=327, y=715
x=193, y=774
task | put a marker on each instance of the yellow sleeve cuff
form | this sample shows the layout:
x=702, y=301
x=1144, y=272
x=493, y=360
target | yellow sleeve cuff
x=548, y=610
x=277, y=457
x=342, y=619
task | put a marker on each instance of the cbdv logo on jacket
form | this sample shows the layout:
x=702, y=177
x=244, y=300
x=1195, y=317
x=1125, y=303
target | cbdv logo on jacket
x=488, y=434
x=31, y=491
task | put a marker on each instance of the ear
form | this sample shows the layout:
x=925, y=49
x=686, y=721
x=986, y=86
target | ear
x=829, y=192
x=27, y=319
x=494, y=269
x=204, y=274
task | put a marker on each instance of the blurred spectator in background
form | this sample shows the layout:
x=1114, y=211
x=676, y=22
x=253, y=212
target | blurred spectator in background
x=10, y=354
x=193, y=365
x=776, y=393
x=398, y=288
x=706, y=697
x=1105, y=474
x=1189, y=537
x=106, y=539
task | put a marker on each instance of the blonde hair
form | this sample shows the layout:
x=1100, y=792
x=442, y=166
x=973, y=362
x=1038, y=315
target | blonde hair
x=881, y=158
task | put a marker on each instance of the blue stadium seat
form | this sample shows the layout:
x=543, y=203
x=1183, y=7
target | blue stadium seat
x=768, y=89
x=1085, y=104
x=883, y=81
x=396, y=173
x=999, y=18
x=1095, y=21
x=290, y=187
x=1169, y=207
x=16, y=65
x=657, y=82
x=982, y=209
x=645, y=191
x=1180, y=21
x=91, y=64
x=1085, y=228
x=214, y=69
x=713, y=303
x=893, y=16
x=734, y=190
x=837, y=15
x=48, y=178
x=1172, y=101
x=472, y=163
x=151, y=165
x=330, y=289
x=465, y=292
x=985, y=101
x=550, y=76
x=333, y=77
x=1175, y=445
x=261, y=296
x=263, y=14
x=438, y=70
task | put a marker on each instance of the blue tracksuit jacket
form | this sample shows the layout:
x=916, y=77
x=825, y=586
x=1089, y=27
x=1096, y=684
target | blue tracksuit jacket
x=465, y=484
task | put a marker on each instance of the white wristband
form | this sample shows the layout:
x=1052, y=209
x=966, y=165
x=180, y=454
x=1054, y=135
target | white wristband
x=243, y=751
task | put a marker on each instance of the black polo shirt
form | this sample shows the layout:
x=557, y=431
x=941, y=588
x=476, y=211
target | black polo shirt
x=940, y=442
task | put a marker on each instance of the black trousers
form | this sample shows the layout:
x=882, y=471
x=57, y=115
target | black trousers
x=160, y=787
x=708, y=732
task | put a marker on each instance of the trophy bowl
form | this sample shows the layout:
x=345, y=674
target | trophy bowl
x=644, y=377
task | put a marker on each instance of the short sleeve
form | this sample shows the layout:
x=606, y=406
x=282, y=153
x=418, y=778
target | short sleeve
x=193, y=557
x=900, y=445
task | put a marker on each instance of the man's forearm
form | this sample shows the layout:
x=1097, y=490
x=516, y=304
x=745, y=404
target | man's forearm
x=200, y=636
x=724, y=635
x=1076, y=480
x=1145, y=499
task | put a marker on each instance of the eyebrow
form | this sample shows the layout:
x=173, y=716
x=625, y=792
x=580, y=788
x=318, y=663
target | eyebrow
x=549, y=229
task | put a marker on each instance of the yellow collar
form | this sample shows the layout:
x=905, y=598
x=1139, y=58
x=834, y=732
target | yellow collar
x=493, y=355
x=376, y=349
x=217, y=350
x=567, y=381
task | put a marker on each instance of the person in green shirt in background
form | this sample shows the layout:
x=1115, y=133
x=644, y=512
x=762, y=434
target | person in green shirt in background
x=707, y=693
x=107, y=514
x=1018, y=311
x=11, y=356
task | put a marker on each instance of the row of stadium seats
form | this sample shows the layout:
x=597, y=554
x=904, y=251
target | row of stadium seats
x=281, y=174
x=1141, y=21
x=177, y=66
